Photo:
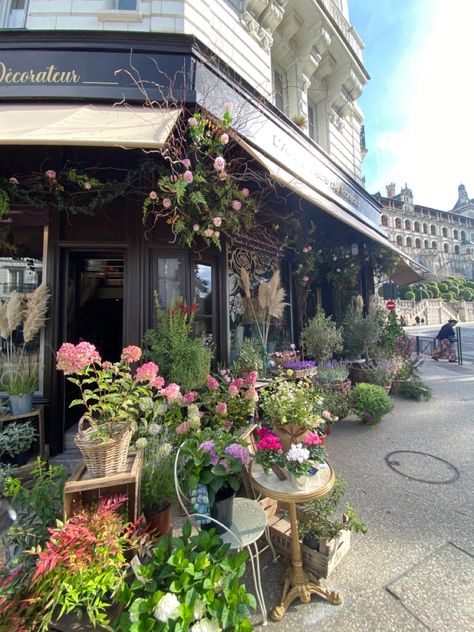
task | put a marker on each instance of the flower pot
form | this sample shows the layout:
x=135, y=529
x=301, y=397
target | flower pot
x=160, y=521
x=289, y=434
x=21, y=404
x=222, y=509
x=299, y=483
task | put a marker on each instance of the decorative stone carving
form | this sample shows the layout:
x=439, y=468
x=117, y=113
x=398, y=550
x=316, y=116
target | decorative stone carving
x=273, y=15
x=251, y=24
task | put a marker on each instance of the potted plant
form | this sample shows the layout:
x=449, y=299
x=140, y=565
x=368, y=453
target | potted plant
x=268, y=450
x=16, y=440
x=332, y=374
x=190, y=583
x=158, y=486
x=361, y=334
x=248, y=357
x=321, y=338
x=20, y=367
x=112, y=396
x=370, y=402
x=211, y=468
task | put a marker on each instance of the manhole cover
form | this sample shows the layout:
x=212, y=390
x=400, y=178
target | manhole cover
x=422, y=467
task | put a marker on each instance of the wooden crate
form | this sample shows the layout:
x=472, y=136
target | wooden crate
x=322, y=562
x=82, y=490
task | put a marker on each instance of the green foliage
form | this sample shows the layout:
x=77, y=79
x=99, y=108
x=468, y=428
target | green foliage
x=409, y=296
x=370, y=402
x=467, y=294
x=17, y=437
x=435, y=291
x=318, y=522
x=182, y=359
x=361, y=334
x=321, y=337
x=284, y=402
x=391, y=333
x=249, y=357
x=443, y=287
x=378, y=375
x=415, y=389
x=189, y=579
x=337, y=401
x=158, y=487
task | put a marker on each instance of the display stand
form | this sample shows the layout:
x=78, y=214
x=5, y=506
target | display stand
x=38, y=413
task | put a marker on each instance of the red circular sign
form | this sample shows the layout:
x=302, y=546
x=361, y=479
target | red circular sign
x=390, y=305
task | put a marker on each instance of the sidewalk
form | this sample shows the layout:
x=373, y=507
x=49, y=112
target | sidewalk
x=414, y=570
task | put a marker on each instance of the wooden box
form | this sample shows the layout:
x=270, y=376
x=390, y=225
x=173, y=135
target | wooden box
x=322, y=562
x=82, y=490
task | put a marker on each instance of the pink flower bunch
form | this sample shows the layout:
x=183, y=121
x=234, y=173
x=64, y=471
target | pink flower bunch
x=183, y=428
x=251, y=378
x=268, y=441
x=74, y=358
x=212, y=383
x=146, y=372
x=219, y=163
x=172, y=392
x=312, y=438
x=131, y=354
x=221, y=408
x=190, y=397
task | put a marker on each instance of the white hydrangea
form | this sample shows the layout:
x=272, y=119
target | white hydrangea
x=199, y=609
x=167, y=608
x=141, y=443
x=206, y=625
x=297, y=452
x=154, y=429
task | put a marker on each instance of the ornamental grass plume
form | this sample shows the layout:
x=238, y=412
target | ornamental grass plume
x=37, y=307
x=15, y=311
x=4, y=327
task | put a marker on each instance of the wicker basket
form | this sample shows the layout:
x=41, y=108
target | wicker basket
x=102, y=459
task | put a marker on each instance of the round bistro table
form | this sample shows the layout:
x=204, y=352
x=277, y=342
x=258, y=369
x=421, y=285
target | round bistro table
x=299, y=583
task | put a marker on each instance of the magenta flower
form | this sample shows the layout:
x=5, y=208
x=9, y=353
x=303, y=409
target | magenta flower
x=236, y=205
x=311, y=438
x=251, y=377
x=190, y=397
x=166, y=202
x=224, y=138
x=219, y=163
x=208, y=232
x=50, y=174
x=171, y=392
x=221, y=408
x=131, y=354
x=146, y=372
x=212, y=383
x=192, y=122
x=245, y=192
x=188, y=176
x=186, y=162
x=153, y=195
x=158, y=382
x=217, y=221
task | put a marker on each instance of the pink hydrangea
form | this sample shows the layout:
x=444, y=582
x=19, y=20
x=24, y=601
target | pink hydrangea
x=217, y=221
x=251, y=377
x=171, y=392
x=158, y=382
x=252, y=394
x=183, y=427
x=208, y=232
x=219, y=163
x=50, y=174
x=221, y=408
x=166, y=202
x=236, y=205
x=224, y=138
x=188, y=176
x=72, y=359
x=131, y=354
x=190, y=397
x=146, y=372
x=212, y=383
x=192, y=122
x=153, y=195
x=107, y=365
x=239, y=382
x=245, y=192
x=233, y=390
x=311, y=438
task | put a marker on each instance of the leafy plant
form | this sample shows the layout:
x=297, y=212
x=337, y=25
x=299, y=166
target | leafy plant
x=338, y=401
x=370, y=402
x=191, y=583
x=332, y=370
x=300, y=120
x=361, y=334
x=182, y=359
x=378, y=375
x=17, y=437
x=415, y=389
x=296, y=402
x=249, y=357
x=158, y=488
x=321, y=337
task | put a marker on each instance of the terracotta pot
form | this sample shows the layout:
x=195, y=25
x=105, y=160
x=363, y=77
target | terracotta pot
x=160, y=523
x=290, y=433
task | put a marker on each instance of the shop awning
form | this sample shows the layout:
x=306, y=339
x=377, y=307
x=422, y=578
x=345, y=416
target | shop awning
x=89, y=125
x=404, y=273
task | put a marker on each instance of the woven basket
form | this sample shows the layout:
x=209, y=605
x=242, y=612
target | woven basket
x=102, y=459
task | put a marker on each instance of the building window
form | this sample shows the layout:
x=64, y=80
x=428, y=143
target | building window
x=445, y=231
x=455, y=234
x=425, y=228
x=445, y=247
x=407, y=224
x=433, y=229
x=168, y=279
x=456, y=250
x=463, y=236
x=312, y=122
x=126, y=5
x=416, y=227
x=398, y=222
x=425, y=244
x=384, y=219
x=13, y=14
x=417, y=243
x=434, y=245
x=408, y=242
x=278, y=90
x=399, y=240
x=204, y=297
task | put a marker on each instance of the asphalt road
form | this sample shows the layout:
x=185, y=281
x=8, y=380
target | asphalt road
x=467, y=337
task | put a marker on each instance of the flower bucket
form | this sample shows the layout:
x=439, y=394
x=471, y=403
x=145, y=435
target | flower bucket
x=102, y=459
x=289, y=434
x=21, y=404
x=223, y=509
x=299, y=483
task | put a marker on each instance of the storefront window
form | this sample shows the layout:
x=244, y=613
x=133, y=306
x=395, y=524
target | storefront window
x=204, y=299
x=168, y=279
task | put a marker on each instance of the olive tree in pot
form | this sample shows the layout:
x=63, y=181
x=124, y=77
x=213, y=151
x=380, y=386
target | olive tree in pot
x=158, y=489
x=321, y=338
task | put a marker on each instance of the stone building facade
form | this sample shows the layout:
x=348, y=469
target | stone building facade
x=442, y=241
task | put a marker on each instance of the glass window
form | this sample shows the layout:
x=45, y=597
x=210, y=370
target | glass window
x=408, y=242
x=434, y=245
x=455, y=234
x=433, y=229
x=445, y=231
x=127, y=5
x=398, y=223
x=416, y=227
x=204, y=299
x=384, y=220
x=418, y=243
x=456, y=250
x=13, y=14
x=425, y=244
x=399, y=240
x=445, y=247
x=407, y=224
x=278, y=90
x=312, y=122
x=169, y=276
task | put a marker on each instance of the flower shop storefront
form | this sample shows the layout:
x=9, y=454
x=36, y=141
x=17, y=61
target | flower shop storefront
x=118, y=195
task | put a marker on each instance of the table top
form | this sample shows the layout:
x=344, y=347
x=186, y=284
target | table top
x=318, y=485
x=248, y=523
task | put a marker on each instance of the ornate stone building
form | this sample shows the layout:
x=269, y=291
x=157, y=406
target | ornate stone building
x=442, y=241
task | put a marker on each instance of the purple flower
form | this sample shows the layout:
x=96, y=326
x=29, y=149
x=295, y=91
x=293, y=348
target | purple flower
x=238, y=452
x=299, y=365
x=210, y=447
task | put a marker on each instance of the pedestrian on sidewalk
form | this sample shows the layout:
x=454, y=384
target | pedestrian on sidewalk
x=446, y=337
x=417, y=320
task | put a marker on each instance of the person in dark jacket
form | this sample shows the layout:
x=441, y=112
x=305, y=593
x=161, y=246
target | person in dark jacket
x=445, y=339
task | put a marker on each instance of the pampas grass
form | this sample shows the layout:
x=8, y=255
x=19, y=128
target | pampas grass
x=37, y=306
x=15, y=311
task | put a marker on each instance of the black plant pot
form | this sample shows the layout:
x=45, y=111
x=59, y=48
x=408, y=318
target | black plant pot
x=222, y=510
x=311, y=541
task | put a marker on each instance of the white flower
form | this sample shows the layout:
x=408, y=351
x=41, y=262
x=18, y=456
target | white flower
x=206, y=625
x=167, y=608
x=154, y=429
x=141, y=443
x=199, y=609
x=297, y=453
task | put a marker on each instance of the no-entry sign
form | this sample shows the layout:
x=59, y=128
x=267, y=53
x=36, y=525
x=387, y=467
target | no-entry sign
x=390, y=305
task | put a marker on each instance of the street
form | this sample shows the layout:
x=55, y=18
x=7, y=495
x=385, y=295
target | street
x=467, y=337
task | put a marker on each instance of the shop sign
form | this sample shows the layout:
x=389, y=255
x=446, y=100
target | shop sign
x=17, y=216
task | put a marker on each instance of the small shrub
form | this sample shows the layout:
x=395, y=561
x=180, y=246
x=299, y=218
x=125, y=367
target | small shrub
x=338, y=402
x=321, y=337
x=409, y=296
x=249, y=357
x=361, y=334
x=370, y=402
x=415, y=389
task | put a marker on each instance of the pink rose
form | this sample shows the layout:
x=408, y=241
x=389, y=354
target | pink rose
x=188, y=176
x=224, y=139
x=186, y=162
x=50, y=174
x=158, y=382
x=219, y=163
x=251, y=377
x=212, y=383
x=208, y=232
x=233, y=390
x=166, y=202
x=306, y=278
x=223, y=175
x=192, y=122
x=196, y=227
x=236, y=205
x=189, y=397
x=13, y=181
x=245, y=192
x=153, y=195
x=217, y=221
x=221, y=408
x=131, y=354
x=171, y=392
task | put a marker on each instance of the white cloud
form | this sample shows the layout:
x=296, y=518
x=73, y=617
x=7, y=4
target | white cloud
x=432, y=151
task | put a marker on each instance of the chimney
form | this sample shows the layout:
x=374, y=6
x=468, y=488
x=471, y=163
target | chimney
x=390, y=190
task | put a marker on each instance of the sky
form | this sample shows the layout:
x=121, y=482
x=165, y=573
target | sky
x=419, y=102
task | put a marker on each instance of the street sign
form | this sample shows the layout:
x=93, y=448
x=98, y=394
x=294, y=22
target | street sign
x=390, y=305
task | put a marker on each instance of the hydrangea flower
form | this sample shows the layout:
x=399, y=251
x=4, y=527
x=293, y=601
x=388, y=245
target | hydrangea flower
x=146, y=372
x=131, y=354
x=167, y=608
x=238, y=452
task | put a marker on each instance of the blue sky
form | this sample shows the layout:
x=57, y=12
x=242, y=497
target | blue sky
x=419, y=103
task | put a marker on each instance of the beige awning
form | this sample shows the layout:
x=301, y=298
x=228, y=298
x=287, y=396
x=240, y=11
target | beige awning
x=404, y=272
x=89, y=125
